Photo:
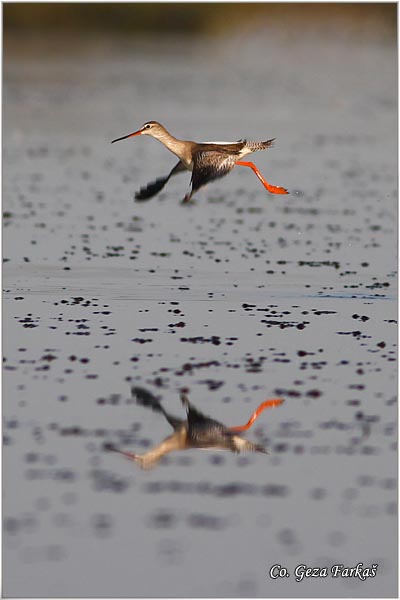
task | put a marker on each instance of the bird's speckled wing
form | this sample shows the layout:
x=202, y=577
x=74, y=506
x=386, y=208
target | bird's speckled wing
x=211, y=164
x=232, y=147
x=206, y=432
x=145, y=398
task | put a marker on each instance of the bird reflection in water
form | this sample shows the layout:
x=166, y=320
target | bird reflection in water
x=196, y=431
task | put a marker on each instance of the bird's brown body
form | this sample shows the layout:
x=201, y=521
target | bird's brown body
x=207, y=161
x=197, y=431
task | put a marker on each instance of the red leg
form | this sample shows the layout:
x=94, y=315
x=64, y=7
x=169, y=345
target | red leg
x=187, y=197
x=274, y=189
x=256, y=414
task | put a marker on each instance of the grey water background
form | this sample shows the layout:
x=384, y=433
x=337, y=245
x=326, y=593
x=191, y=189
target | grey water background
x=239, y=296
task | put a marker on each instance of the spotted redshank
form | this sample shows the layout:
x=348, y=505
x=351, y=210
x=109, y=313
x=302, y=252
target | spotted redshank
x=207, y=161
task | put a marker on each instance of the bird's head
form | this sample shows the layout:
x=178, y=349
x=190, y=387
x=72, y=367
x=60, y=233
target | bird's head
x=152, y=128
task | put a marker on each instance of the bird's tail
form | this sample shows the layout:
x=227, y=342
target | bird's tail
x=254, y=146
x=242, y=445
x=258, y=448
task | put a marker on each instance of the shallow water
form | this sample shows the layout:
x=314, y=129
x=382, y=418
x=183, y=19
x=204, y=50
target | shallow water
x=239, y=296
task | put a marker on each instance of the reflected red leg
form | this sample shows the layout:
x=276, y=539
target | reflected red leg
x=274, y=189
x=256, y=414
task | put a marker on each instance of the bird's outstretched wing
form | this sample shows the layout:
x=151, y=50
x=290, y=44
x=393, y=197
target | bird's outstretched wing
x=152, y=188
x=204, y=431
x=145, y=398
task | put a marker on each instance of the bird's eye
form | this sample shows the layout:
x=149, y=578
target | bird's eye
x=148, y=126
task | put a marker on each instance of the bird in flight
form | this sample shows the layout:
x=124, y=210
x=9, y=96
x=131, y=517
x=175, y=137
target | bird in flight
x=207, y=161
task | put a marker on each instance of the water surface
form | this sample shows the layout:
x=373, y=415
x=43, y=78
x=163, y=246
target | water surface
x=239, y=296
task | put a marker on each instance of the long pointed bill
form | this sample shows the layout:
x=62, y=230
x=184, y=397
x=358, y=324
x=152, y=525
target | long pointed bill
x=124, y=137
x=129, y=455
